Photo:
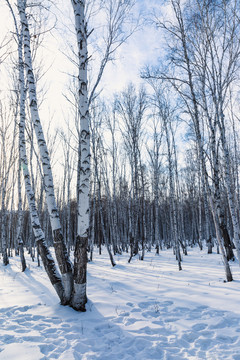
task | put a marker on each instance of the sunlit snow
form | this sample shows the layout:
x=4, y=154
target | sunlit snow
x=143, y=310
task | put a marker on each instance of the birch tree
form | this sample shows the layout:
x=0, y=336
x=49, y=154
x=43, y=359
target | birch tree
x=131, y=107
x=8, y=159
x=59, y=244
x=166, y=115
x=111, y=122
x=155, y=163
x=117, y=13
x=39, y=235
x=183, y=76
x=101, y=178
x=222, y=29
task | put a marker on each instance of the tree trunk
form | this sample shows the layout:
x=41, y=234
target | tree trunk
x=58, y=241
x=79, y=297
x=47, y=259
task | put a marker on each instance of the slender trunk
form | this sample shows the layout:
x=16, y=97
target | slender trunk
x=230, y=190
x=218, y=234
x=114, y=177
x=38, y=233
x=105, y=237
x=93, y=211
x=59, y=244
x=3, y=234
x=199, y=205
x=156, y=209
x=196, y=122
x=79, y=297
x=173, y=210
x=22, y=257
x=143, y=217
x=208, y=238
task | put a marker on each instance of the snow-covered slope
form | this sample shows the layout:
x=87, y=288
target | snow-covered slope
x=143, y=310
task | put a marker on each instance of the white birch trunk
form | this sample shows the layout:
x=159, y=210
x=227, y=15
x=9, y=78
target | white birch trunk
x=173, y=204
x=6, y=165
x=196, y=122
x=79, y=297
x=208, y=238
x=3, y=232
x=59, y=245
x=114, y=177
x=93, y=212
x=11, y=227
x=20, y=214
x=38, y=233
x=229, y=187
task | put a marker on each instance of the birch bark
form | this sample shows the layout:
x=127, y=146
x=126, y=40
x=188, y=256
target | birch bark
x=20, y=213
x=38, y=233
x=172, y=191
x=154, y=155
x=7, y=164
x=190, y=97
x=59, y=245
x=79, y=297
x=230, y=191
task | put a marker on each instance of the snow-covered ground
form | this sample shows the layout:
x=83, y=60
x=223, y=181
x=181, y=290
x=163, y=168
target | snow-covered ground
x=143, y=310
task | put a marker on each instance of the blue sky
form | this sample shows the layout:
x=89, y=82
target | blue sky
x=141, y=48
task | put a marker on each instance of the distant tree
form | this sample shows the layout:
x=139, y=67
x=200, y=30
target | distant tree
x=188, y=46
x=131, y=107
x=155, y=166
x=166, y=116
x=8, y=132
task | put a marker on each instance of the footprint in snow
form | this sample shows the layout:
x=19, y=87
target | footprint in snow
x=224, y=339
x=136, y=310
x=143, y=305
x=166, y=303
x=199, y=327
x=130, y=321
x=130, y=304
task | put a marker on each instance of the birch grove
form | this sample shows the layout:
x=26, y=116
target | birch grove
x=153, y=166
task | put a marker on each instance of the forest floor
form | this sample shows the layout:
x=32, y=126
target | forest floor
x=143, y=310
